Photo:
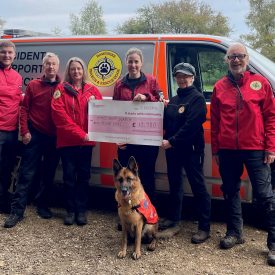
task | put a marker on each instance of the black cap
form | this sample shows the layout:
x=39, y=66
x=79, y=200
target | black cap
x=184, y=68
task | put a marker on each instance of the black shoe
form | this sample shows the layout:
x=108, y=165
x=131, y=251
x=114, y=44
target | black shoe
x=81, y=219
x=168, y=224
x=230, y=241
x=200, y=237
x=271, y=257
x=12, y=220
x=69, y=219
x=44, y=213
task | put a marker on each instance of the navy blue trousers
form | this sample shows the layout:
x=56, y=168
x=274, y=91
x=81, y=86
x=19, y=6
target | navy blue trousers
x=76, y=162
x=231, y=167
x=40, y=157
x=192, y=162
x=8, y=147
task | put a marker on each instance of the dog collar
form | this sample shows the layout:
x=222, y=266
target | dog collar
x=135, y=207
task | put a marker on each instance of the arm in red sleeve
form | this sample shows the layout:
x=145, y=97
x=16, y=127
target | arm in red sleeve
x=215, y=123
x=63, y=121
x=268, y=111
x=24, y=111
x=116, y=94
x=96, y=93
x=153, y=94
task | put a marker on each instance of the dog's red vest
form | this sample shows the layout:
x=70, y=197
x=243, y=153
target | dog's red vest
x=147, y=209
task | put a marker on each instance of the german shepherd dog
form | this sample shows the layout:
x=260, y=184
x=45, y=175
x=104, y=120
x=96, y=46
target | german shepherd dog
x=133, y=207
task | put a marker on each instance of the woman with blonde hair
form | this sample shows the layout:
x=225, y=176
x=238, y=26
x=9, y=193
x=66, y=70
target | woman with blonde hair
x=138, y=86
x=70, y=115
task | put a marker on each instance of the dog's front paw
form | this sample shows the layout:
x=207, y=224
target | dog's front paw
x=136, y=255
x=121, y=254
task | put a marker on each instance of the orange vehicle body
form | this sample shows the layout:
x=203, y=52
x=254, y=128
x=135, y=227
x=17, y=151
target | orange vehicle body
x=161, y=53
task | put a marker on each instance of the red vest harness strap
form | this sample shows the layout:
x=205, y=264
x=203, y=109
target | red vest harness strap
x=147, y=209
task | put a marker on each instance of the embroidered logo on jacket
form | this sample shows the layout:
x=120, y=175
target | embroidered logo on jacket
x=256, y=85
x=181, y=110
x=56, y=94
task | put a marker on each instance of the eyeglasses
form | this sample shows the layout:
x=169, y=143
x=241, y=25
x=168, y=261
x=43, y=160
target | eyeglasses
x=239, y=56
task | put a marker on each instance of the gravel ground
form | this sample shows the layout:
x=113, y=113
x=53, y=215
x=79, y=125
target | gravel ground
x=37, y=246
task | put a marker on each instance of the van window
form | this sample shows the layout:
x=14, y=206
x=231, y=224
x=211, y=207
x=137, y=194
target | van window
x=208, y=61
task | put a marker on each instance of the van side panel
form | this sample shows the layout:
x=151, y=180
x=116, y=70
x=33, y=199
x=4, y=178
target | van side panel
x=29, y=57
x=105, y=59
x=161, y=73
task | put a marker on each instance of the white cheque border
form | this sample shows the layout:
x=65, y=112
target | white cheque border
x=126, y=122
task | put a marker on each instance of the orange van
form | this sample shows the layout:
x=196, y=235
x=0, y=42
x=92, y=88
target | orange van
x=105, y=58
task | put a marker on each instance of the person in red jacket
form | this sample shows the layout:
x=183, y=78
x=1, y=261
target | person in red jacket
x=39, y=138
x=10, y=99
x=243, y=134
x=138, y=86
x=70, y=115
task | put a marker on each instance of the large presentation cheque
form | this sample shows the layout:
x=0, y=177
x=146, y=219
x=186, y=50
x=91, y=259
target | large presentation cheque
x=126, y=122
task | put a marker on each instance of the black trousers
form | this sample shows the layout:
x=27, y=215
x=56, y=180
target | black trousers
x=231, y=167
x=272, y=166
x=192, y=162
x=146, y=157
x=40, y=157
x=8, y=147
x=76, y=162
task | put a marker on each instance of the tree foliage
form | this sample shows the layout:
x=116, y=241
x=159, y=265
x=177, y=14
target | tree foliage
x=184, y=16
x=261, y=20
x=56, y=31
x=90, y=20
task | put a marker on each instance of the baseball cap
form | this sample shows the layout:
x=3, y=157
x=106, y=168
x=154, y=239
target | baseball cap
x=184, y=68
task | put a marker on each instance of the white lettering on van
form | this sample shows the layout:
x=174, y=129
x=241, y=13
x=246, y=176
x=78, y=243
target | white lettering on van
x=30, y=55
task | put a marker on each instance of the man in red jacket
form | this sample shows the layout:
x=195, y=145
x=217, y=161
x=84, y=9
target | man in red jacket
x=39, y=138
x=10, y=98
x=243, y=133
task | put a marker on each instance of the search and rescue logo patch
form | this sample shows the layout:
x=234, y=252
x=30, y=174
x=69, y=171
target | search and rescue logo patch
x=181, y=110
x=56, y=94
x=104, y=68
x=256, y=85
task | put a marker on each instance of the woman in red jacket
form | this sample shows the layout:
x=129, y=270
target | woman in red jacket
x=70, y=115
x=138, y=86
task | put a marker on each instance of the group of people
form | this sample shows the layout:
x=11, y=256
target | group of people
x=53, y=119
x=54, y=115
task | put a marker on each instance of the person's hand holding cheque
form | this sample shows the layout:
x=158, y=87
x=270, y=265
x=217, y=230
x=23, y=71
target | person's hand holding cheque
x=140, y=97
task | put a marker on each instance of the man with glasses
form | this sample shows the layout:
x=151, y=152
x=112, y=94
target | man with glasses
x=243, y=134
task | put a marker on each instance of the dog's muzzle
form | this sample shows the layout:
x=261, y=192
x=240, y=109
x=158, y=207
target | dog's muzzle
x=124, y=191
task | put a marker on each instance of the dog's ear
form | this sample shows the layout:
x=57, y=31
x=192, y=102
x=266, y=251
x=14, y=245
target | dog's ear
x=132, y=165
x=116, y=166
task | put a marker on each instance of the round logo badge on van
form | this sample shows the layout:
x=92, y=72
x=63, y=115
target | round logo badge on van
x=104, y=68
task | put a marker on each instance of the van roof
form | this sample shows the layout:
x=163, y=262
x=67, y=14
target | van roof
x=128, y=37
